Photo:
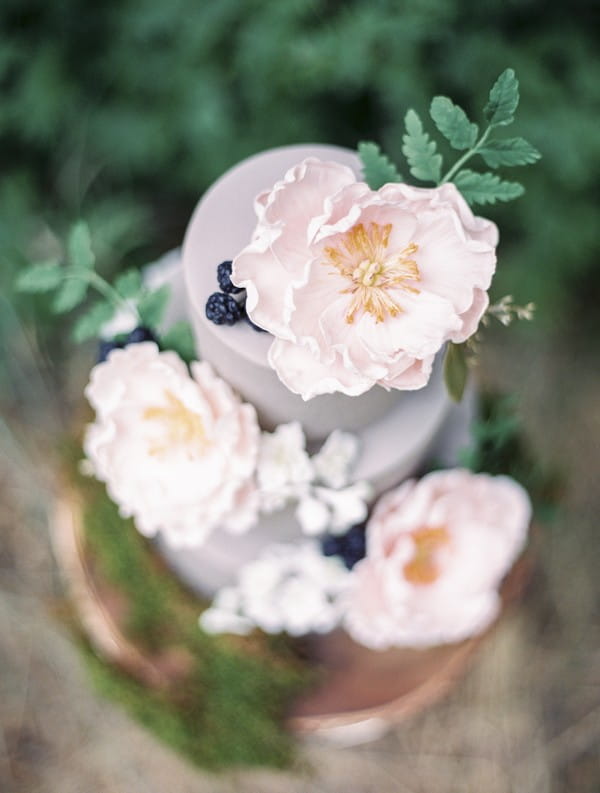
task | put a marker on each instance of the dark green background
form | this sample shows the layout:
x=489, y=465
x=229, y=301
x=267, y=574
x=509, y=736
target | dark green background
x=125, y=111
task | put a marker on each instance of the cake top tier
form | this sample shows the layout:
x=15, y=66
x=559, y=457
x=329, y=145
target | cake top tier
x=222, y=225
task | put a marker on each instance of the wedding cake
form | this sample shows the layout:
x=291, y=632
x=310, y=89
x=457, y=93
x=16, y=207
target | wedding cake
x=281, y=407
x=397, y=431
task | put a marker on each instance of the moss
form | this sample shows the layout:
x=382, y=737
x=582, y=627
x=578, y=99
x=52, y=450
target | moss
x=229, y=710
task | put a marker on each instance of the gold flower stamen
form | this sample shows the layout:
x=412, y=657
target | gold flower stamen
x=182, y=425
x=362, y=257
x=422, y=569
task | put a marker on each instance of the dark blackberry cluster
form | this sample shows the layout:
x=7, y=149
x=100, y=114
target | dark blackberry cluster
x=136, y=336
x=224, y=279
x=223, y=309
x=229, y=305
x=350, y=547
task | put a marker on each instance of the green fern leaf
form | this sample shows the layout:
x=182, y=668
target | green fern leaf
x=486, y=188
x=151, y=307
x=180, y=338
x=39, y=277
x=510, y=151
x=453, y=123
x=420, y=151
x=90, y=323
x=129, y=284
x=378, y=169
x=71, y=294
x=79, y=246
x=503, y=99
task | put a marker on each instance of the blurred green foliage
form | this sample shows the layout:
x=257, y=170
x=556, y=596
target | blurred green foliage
x=125, y=111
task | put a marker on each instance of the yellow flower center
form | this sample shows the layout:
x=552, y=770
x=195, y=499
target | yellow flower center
x=181, y=425
x=362, y=257
x=422, y=569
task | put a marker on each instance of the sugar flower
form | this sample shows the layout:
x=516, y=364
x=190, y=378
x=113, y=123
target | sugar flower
x=286, y=474
x=437, y=551
x=292, y=588
x=284, y=468
x=177, y=453
x=335, y=459
x=363, y=287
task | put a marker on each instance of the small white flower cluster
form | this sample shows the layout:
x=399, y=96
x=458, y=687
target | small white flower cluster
x=320, y=485
x=506, y=310
x=292, y=588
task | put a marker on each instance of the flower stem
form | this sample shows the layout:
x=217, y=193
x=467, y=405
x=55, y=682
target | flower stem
x=467, y=156
x=106, y=290
x=110, y=293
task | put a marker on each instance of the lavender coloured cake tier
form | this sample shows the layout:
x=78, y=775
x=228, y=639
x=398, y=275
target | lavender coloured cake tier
x=398, y=431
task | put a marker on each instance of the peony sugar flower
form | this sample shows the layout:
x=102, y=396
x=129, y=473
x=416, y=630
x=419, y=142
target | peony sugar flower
x=177, y=453
x=437, y=551
x=363, y=287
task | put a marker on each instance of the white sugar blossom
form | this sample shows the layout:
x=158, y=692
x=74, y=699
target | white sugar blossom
x=313, y=515
x=292, y=588
x=285, y=473
x=334, y=461
x=284, y=468
x=223, y=616
x=346, y=507
x=177, y=452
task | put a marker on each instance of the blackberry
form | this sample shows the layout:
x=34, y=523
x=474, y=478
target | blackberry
x=224, y=279
x=223, y=309
x=138, y=335
x=331, y=546
x=350, y=547
x=106, y=347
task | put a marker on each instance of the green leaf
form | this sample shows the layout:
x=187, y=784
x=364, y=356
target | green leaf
x=510, y=151
x=79, y=246
x=39, y=277
x=90, y=323
x=453, y=123
x=129, y=284
x=503, y=99
x=180, y=338
x=378, y=169
x=455, y=370
x=152, y=306
x=420, y=151
x=486, y=188
x=71, y=293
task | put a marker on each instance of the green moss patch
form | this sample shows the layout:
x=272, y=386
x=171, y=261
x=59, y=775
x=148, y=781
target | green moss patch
x=231, y=702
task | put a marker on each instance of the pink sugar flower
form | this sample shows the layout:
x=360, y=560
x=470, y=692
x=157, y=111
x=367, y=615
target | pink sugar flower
x=177, y=452
x=363, y=287
x=437, y=551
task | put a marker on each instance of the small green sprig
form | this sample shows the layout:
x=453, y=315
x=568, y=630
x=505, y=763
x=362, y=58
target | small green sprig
x=425, y=164
x=70, y=280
